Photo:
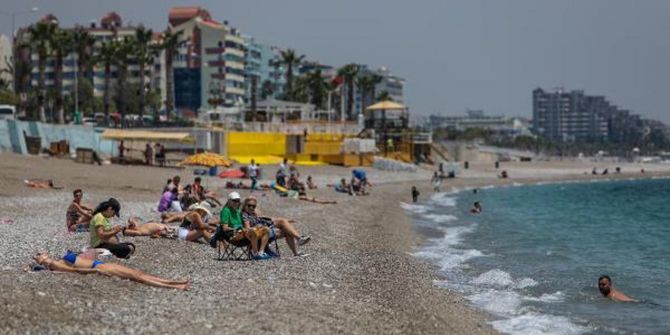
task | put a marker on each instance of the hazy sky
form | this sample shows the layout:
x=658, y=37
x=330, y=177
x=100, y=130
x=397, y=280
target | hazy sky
x=478, y=54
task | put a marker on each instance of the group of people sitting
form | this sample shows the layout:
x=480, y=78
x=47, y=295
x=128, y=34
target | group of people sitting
x=176, y=197
x=359, y=185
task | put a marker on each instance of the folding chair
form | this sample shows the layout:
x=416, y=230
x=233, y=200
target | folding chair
x=236, y=252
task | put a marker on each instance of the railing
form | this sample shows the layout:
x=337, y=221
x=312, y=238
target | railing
x=289, y=128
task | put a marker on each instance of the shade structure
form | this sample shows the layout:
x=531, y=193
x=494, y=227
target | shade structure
x=208, y=159
x=386, y=105
x=148, y=136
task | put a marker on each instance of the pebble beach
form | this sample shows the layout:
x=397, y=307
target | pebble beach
x=359, y=276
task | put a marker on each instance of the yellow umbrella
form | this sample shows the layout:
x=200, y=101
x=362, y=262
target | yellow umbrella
x=208, y=159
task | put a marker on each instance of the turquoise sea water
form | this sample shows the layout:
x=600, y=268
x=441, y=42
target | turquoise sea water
x=532, y=258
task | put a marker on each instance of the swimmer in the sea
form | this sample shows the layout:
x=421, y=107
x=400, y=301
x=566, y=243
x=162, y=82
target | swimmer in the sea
x=605, y=287
x=476, y=208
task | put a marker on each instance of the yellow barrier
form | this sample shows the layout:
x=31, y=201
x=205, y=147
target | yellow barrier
x=255, y=144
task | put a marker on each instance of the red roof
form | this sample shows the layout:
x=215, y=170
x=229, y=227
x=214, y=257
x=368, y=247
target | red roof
x=50, y=18
x=179, y=15
x=109, y=18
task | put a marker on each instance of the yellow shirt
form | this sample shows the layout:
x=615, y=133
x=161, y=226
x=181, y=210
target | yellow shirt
x=98, y=220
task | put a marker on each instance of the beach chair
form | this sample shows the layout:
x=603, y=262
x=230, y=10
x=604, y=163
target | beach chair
x=234, y=251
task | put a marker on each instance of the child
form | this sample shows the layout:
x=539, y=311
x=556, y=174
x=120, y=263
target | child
x=415, y=194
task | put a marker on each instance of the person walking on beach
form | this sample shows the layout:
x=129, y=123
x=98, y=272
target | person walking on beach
x=149, y=154
x=436, y=181
x=415, y=194
x=253, y=175
x=606, y=289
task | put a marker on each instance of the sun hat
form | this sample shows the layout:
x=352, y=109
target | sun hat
x=233, y=196
x=205, y=206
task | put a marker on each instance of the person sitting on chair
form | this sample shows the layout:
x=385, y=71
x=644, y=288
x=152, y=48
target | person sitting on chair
x=278, y=227
x=231, y=219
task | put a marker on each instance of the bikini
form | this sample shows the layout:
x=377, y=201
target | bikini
x=71, y=257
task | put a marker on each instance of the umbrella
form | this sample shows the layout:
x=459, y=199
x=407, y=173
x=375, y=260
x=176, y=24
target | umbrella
x=208, y=159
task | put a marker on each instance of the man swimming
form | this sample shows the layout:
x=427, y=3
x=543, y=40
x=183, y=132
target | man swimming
x=605, y=287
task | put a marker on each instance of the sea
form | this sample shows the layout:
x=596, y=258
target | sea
x=532, y=258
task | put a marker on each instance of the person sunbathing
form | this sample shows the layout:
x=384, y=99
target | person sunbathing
x=153, y=229
x=303, y=196
x=41, y=184
x=341, y=186
x=277, y=227
x=74, y=263
x=78, y=216
x=310, y=183
x=194, y=225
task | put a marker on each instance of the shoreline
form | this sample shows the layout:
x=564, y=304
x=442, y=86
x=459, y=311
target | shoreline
x=360, y=276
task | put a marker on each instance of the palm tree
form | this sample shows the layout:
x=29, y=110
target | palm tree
x=349, y=73
x=267, y=89
x=40, y=40
x=83, y=46
x=122, y=56
x=144, y=54
x=106, y=57
x=62, y=46
x=170, y=43
x=367, y=85
x=317, y=88
x=290, y=59
x=383, y=96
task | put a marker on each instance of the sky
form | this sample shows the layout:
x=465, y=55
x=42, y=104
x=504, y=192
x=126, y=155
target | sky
x=454, y=55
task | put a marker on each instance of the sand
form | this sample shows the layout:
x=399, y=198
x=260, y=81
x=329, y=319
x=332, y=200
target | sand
x=359, y=277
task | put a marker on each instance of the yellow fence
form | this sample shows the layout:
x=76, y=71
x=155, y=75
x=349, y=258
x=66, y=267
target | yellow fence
x=270, y=148
x=256, y=144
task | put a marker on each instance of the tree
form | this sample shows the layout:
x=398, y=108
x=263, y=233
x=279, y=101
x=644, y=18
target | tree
x=123, y=52
x=144, y=54
x=8, y=97
x=62, y=46
x=349, y=73
x=40, y=40
x=290, y=59
x=367, y=86
x=317, y=88
x=267, y=89
x=384, y=96
x=170, y=43
x=83, y=44
x=106, y=57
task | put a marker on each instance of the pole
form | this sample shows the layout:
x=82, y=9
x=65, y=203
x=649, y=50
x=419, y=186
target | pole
x=76, y=86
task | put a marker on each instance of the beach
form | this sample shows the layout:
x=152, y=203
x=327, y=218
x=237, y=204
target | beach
x=359, y=278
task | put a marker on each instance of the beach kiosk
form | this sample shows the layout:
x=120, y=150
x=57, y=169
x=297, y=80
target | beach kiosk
x=145, y=136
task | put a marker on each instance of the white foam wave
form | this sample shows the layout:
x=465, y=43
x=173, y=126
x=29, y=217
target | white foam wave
x=557, y=296
x=487, y=187
x=442, y=252
x=534, y=323
x=440, y=218
x=443, y=199
x=414, y=208
x=499, y=278
x=501, y=303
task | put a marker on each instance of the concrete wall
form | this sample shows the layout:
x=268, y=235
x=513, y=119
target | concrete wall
x=12, y=139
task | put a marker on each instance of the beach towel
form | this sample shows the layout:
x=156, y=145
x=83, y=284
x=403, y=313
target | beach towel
x=235, y=173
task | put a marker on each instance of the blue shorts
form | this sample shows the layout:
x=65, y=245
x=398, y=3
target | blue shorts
x=273, y=233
